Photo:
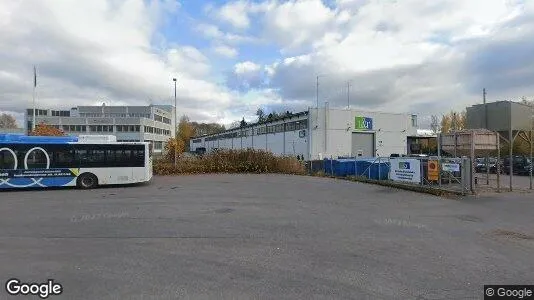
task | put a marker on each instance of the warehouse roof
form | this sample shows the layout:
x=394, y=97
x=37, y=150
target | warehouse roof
x=286, y=116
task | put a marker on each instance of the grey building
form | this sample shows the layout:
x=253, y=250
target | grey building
x=320, y=133
x=153, y=123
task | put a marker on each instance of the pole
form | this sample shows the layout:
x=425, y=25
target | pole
x=317, y=92
x=498, y=166
x=175, y=126
x=485, y=108
x=511, y=154
x=348, y=95
x=531, y=162
x=33, y=96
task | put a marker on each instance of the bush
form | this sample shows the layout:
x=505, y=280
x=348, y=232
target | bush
x=230, y=161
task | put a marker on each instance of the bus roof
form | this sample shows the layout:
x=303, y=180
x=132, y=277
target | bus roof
x=24, y=139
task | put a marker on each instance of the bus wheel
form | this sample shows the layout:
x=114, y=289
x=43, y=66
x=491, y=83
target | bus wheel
x=87, y=181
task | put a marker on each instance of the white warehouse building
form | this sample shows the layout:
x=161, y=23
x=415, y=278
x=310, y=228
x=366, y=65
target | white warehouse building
x=320, y=133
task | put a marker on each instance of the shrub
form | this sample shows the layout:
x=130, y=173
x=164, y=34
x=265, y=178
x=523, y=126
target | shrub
x=230, y=161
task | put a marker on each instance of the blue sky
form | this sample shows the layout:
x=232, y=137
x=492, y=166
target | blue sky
x=232, y=57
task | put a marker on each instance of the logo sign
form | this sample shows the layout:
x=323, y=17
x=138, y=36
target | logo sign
x=405, y=170
x=450, y=167
x=404, y=165
x=363, y=123
x=433, y=170
x=302, y=133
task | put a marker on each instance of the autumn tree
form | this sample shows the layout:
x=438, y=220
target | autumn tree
x=43, y=129
x=7, y=121
x=185, y=132
x=453, y=121
x=173, y=145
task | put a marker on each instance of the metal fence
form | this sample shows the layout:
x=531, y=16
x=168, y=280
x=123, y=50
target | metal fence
x=443, y=173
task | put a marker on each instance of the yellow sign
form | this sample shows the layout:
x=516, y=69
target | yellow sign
x=433, y=170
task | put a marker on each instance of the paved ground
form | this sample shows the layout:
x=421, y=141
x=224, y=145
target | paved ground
x=265, y=236
x=519, y=182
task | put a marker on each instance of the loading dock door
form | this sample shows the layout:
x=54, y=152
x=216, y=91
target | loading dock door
x=363, y=144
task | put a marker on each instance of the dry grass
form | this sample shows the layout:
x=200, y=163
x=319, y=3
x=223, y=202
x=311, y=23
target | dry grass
x=231, y=161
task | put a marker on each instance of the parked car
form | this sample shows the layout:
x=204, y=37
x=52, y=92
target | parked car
x=481, y=165
x=521, y=165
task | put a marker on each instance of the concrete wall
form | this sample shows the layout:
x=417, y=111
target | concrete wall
x=331, y=132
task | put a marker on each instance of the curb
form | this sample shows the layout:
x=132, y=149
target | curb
x=413, y=188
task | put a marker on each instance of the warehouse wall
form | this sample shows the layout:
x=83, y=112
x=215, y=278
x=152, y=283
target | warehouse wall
x=331, y=132
x=280, y=143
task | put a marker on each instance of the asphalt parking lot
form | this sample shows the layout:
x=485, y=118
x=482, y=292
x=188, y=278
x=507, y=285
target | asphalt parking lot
x=264, y=237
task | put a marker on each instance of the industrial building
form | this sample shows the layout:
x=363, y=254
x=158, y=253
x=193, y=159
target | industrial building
x=320, y=133
x=153, y=123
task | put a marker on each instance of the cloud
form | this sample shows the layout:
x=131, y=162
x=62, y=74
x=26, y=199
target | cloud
x=88, y=52
x=245, y=76
x=413, y=55
x=225, y=51
x=235, y=13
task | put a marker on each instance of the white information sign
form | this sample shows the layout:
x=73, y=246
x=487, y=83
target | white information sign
x=407, y=170
x=450, y=167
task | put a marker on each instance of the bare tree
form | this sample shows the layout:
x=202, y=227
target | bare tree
x=434, y=125
x=7, y=121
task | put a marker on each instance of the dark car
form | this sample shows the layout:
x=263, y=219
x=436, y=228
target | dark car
x=481, y=166
x=521, y=165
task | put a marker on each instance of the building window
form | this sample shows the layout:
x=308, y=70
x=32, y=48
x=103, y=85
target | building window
x=414, y=120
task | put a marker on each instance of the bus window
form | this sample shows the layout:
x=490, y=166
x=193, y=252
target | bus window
x=37, y=160
x=63, y=158
x=7, y=161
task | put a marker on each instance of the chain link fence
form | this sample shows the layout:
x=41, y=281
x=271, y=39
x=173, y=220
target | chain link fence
x=443, y=173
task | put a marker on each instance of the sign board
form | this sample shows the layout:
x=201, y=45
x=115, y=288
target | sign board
x=433, y=170
x=406, y=170
x=363, y=123
x=450, y=167
x=302, y=133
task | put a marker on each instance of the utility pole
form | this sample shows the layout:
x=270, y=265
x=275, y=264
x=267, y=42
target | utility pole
x=33, y=96
x=485, y=108
x=317, y=92
x=175, y=127
x=348, y=94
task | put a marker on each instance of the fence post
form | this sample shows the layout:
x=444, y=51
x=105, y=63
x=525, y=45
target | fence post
x=379, y=173
x=369, y=171
x=331, y=165
x=439, y=171
x=355, y=168
x=421, y=173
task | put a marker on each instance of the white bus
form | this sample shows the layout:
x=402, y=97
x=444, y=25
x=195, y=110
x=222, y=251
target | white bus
x=85, y=161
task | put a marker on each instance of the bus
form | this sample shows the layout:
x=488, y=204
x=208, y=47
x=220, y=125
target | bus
x=85, y=161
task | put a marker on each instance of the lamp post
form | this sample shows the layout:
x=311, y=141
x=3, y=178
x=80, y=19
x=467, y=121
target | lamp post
x=531, y=142
x=175, y=127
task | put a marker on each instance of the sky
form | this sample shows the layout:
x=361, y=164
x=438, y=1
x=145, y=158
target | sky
x=232, y=57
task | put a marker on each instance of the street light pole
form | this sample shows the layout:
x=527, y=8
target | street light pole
x=175, y=127
x=531, y=142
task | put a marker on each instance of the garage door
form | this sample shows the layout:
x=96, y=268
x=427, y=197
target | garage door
x=363, y=144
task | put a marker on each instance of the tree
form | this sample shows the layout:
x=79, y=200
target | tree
x=261, y=115
x=185, y=132
x=434, y=125
x=43, y=129
x=243, y=123
x=173, y=145
x=207, y=128
x=7, y=121
x=453, y=121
